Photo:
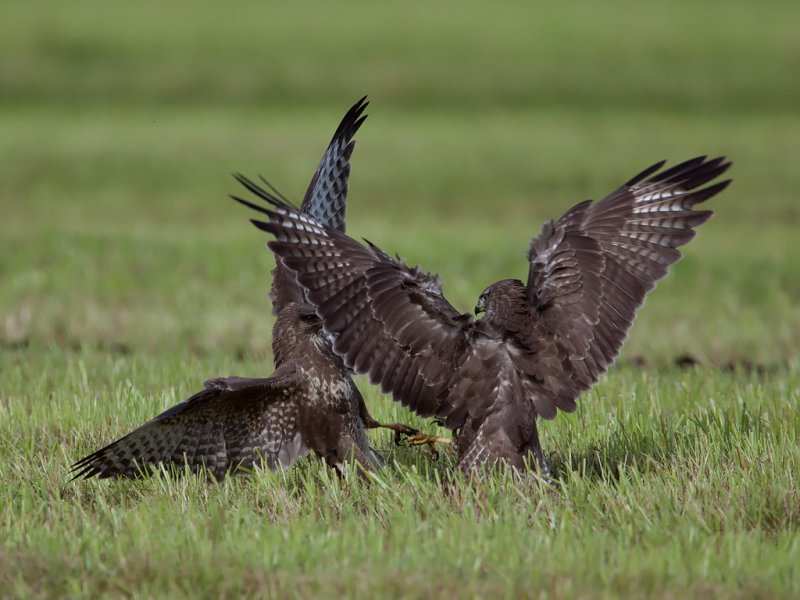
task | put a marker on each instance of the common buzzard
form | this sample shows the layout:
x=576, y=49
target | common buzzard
x=309, y=403
x=538, y=345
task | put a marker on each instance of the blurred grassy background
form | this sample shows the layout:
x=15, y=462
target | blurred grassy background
x=121, y=124
x=127, y=277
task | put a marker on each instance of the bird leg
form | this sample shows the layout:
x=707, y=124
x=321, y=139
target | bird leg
x=544, y=470
x=420, y=439
x=425, y=439
x=408, y=434
x=440, y=422
x=399, y=429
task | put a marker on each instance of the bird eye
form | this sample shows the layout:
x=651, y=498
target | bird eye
x=309, y=318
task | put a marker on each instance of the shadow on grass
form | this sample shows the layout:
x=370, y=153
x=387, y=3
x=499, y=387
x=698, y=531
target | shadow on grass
x=649, y=446
x=625, y=448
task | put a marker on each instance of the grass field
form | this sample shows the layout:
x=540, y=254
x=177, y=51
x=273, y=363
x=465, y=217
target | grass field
x=128, y=277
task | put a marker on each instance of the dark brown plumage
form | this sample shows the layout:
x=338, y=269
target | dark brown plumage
x=326, y=197
x=309, y=403
x=539, y=344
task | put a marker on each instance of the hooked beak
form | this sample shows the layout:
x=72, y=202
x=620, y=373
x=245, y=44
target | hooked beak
x=479, y=307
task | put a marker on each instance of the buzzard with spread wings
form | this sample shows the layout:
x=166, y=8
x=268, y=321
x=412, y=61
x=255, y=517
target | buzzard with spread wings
x=309, y=403
x=538, y=345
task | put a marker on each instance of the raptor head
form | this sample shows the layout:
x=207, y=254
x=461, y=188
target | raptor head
x=503, y=302
x=298, y=331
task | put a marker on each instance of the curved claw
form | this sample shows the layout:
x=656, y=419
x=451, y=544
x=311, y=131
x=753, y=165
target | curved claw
x=399, y=429
x=421, y=439
x=399, y=435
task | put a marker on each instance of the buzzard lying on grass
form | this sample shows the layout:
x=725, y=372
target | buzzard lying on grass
x=309, y=403
x=538, y=345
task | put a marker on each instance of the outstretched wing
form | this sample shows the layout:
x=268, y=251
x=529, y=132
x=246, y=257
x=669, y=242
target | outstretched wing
x=390, y=321
x=234, y=422
x=326, y=196
x=591, y=269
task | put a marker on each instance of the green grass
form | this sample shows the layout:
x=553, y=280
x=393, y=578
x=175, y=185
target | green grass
x=127, y=278
x=672, y=483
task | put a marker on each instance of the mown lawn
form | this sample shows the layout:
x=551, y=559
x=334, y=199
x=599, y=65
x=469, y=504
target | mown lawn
x=127, y=278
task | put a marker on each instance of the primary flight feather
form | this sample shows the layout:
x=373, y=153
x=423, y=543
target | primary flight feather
x=538, y=345
x=310, y=403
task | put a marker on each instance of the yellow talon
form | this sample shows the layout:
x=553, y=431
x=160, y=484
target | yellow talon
x=423, y=438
